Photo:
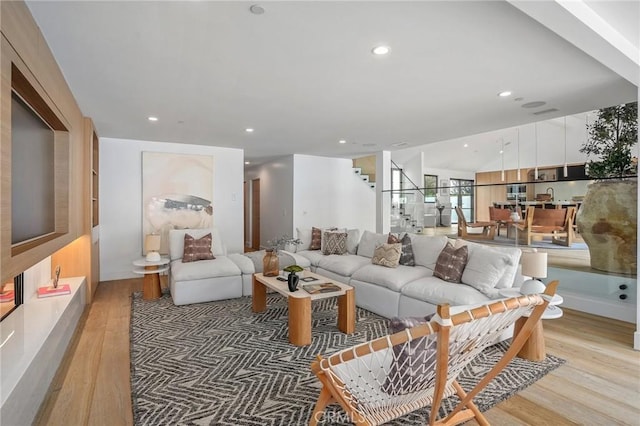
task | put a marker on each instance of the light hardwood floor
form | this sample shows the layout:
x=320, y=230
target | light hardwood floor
x=599, y=384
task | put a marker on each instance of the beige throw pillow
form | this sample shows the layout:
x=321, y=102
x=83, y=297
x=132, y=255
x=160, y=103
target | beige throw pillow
x=387, y=255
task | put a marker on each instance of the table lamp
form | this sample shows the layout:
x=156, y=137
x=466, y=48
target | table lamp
x=152, y=247
x=534, y=265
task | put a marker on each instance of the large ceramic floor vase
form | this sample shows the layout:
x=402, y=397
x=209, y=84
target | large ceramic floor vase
x=608, y=222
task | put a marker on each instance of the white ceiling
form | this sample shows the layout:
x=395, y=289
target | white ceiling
x=302, y=74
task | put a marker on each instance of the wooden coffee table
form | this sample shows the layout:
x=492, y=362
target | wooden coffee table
x=300, y=305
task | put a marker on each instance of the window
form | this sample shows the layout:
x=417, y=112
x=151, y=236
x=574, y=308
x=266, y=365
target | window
x=430, y=188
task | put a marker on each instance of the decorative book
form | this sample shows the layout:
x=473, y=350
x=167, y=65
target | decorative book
x=321, y=288
x=51, y=291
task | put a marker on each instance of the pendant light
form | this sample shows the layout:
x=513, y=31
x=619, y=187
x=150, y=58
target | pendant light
x=535, y=171
x=502, y=154
x=565, y=169
x=518, y=139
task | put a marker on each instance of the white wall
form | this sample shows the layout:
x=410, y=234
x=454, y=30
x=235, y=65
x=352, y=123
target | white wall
x=276, y=197
x=121, y=199
x=327, y=192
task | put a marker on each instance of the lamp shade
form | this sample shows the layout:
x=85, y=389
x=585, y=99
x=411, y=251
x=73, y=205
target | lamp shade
x=152, y=242
x=534, y=264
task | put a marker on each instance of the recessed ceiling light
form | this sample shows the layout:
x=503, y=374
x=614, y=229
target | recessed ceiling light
x=342, y=141
x=248, y=130
x=256, y=9
x=152, y=118
x=466, y=145
x=380, y=50
x=504, y=94
x=247, y=162
x=501, y=152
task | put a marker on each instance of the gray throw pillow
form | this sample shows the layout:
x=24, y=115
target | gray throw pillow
x=413, y=366
x=406, y=257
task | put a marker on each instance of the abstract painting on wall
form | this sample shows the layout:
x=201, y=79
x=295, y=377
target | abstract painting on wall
x=177, y=193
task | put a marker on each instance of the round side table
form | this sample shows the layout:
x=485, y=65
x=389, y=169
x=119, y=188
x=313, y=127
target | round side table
x=534, y=348
x=151, y=270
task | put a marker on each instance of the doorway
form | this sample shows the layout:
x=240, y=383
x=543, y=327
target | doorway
x=255, y=214
x=462, y=196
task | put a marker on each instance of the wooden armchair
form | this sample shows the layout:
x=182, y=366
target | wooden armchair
x=502, y=217
x=488, y=228
x=386, y=378
x=554, y=223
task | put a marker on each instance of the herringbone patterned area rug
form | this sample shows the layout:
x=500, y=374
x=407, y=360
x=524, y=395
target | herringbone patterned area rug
x=219, y=363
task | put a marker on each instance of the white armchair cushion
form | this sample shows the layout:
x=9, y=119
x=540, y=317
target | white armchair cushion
x=219, y=267
x=176, y=241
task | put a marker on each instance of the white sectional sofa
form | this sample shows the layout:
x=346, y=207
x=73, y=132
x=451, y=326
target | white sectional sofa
x=204, y=280
x=389, y=292
x=225, y=277
x=413, y=290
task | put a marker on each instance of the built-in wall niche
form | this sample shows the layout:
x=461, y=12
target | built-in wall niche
x=11, y=295
x=39, y=168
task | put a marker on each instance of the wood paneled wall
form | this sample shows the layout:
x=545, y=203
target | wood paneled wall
x=23, y=44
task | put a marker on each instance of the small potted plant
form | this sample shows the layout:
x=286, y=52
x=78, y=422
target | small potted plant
x=288, y=243
x=293, y=279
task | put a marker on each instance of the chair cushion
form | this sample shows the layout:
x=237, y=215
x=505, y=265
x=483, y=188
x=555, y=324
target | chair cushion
x=435, y=291
x=197, y=248
x=221, y=266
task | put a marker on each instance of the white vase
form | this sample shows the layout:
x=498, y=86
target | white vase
x=290, y=247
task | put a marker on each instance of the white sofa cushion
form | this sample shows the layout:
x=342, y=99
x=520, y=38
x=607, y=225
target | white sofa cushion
x=426, y=249
x=436, y=291
x=304, y=235
x=314, y=256
x=391, y=278
x=368, y=243
x=243, y=262
x=344, y=265
x=221, y=266
x=353, y=238
x=176, y=241
x=490, y=268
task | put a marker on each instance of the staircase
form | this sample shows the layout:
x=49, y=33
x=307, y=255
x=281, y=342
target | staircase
x=365, y=167
x=365, y=178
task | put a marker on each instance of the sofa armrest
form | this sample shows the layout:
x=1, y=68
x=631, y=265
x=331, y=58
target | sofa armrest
x=243, y=262
x=298, y=259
